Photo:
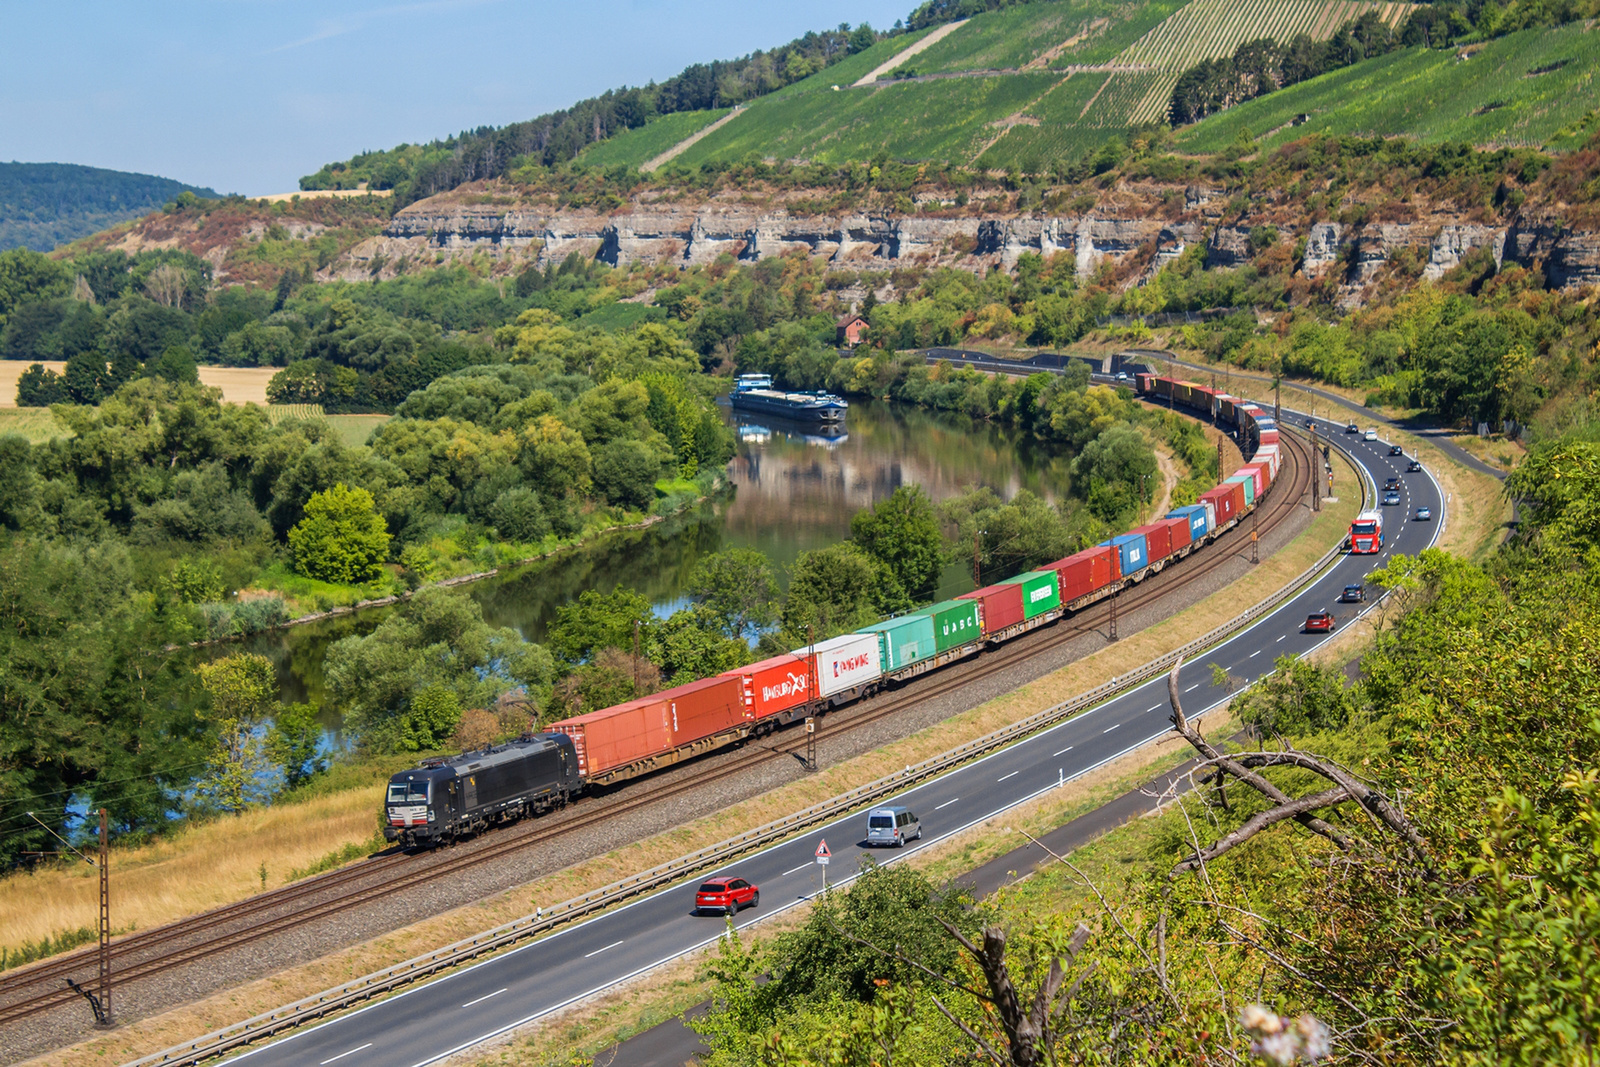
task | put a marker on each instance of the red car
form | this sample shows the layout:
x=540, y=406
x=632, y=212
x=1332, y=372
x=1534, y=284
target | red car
x=726, y=895
x=1319, y=622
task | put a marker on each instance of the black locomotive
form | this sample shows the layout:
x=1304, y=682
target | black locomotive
x=452, y=796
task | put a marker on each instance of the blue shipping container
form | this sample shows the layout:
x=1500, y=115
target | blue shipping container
x=1131, y=550
x=1196, y=514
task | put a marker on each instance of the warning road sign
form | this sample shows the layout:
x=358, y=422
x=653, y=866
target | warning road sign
x=823, y=855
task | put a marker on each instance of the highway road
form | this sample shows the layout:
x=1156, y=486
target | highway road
x=450, y=1014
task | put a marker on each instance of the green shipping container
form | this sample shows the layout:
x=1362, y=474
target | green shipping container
x=903, y=641
x=1041, y=592
x=1249, y=484
x=955, y=622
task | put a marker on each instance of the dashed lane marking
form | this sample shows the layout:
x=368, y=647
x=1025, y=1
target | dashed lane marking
x=608, y=948
x=1108, y=729
x=483, y=998
x=1003, y=777
x=793, y=870
x=1067, y=749
x=1192, y=688
x=946, y=804
x=342, y=1055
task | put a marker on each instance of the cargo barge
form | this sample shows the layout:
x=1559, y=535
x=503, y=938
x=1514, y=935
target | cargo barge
x=754, y=392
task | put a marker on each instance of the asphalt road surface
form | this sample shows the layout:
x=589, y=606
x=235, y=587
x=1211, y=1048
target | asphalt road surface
x=445, y=1016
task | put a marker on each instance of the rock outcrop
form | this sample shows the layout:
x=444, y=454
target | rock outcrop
x=687, y=233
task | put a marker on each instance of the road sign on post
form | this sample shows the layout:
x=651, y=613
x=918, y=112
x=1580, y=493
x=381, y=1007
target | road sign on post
x=823, y=856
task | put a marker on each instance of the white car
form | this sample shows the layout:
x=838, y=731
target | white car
x=1370, y=435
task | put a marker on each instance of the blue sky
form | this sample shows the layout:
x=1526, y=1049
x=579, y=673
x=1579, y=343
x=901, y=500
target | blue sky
x=247, y=95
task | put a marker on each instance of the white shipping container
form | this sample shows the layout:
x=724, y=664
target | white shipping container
x=846, y=662
x=1269, y=455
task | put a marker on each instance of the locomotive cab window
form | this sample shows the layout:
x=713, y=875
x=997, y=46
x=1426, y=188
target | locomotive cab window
x=408, y=792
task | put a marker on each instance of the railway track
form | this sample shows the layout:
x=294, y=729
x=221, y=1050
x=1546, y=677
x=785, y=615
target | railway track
x=42, y=987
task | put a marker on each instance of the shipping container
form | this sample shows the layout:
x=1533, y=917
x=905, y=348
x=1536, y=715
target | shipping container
x=903, y=641
x=1157, y=541
x=1000, y=606
x=1041, y=592
x=955, y=622
x=1145, y=382
x=1177, y=532
x=1086, y=572
x=1195, y=515
x=1227, y=501
x=1271, y=456
x=1269, y=437
x=775, y=685
x=652, y=726
x=1132, y=553
x=1247, y=484
x=846, y=663
x=1263, y=468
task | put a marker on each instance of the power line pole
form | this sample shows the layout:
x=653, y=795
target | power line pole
x=977, y=555
x=106, y=1019
x=1111, y=627
x=1277, y=401
x=1316, y=472
x=1255, y=534
x=1220, y=468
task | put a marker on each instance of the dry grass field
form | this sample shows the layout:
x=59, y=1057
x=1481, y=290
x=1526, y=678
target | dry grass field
x=10, y=371
x=239, y=385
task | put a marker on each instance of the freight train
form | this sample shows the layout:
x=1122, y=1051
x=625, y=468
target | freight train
x=444, y=799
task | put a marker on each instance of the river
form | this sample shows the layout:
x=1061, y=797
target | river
x=794, y=489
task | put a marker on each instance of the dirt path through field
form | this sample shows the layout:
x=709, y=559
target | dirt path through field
x=689, y=142
x=900, y=57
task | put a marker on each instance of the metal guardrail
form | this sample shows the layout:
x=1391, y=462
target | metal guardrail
x=351, y=993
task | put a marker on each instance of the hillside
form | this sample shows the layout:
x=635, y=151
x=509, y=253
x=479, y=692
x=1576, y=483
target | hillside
x=43, y=205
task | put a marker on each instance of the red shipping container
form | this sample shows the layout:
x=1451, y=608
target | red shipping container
x=1178, y=530
x=1269, y=437
x=1085, y=572
x=1226, y=500
x=616, y=736
x=1157, y=540
x=1263, y=474
x=775, y=684
x=1000, y=605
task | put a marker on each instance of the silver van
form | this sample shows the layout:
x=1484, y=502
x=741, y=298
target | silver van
x=892, y=826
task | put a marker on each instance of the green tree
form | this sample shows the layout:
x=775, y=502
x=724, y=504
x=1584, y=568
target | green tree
x=295, y=743
x=737, y=591
x=688, y=646
x=834, y=590
x=39, y=387
x=342, y=537
x=601, y=620
x=625, y=472
x=243, y=693
x=902, y=533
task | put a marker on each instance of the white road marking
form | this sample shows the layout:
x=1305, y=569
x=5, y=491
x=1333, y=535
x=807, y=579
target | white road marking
x=1254, y=654
x=597, y=951
x=1067, y=749
x=342, y=1055
x=1281, y=638
x=787, y=873
x=946, y=804
x=483, y=998
x=1192, y=688
x=1002, y=778
x=1152, y=707
x=1108, y=729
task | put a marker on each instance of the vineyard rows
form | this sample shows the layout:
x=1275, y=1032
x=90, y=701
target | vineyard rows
x=277, y=413
x=650, y=140
x=1211, y=29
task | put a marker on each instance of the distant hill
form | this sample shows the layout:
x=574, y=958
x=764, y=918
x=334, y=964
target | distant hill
x=43, y=205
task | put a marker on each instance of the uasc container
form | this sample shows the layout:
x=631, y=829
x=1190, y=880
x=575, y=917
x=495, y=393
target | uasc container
x=955, y=622
x=903, y=641
x=1041, y=592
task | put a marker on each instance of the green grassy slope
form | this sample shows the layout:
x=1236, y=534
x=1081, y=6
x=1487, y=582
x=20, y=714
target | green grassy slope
x=636, y=147
x=1492, y=98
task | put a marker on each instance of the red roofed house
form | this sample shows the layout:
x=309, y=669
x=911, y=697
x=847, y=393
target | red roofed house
x=851, y=329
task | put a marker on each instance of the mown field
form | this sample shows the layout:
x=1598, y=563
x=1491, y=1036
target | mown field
x=944, y=119
x=636, y=147
x=1529, y=88
x=352, y=430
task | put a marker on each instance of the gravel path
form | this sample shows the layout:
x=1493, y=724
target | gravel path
x=313, y=940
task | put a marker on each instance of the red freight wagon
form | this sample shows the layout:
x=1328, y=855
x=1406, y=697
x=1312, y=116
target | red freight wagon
x=1226, y=500
x=775, y=685
x=630, y=738
x=1178, y=530
x=1269, y=437
x=1086, y=572
x=1157, y=540
x=1000, y=605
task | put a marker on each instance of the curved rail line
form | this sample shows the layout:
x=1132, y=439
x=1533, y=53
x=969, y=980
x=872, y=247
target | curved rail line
x=145, y=953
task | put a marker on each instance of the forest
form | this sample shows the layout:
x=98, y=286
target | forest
x=43, y=205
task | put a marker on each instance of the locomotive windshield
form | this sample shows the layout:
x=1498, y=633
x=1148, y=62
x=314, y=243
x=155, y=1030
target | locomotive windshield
x=408, y=792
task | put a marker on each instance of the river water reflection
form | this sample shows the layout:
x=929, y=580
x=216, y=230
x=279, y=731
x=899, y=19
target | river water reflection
x=794, y=489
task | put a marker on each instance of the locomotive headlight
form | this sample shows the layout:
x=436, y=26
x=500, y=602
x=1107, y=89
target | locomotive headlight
x=430, y=815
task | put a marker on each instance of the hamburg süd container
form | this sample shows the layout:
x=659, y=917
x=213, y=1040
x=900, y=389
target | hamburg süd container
x=775, y=685
x=1157, y=540
x=1196, y=516
x=903, y=641
x=1132, y=553
x=999, y=606
x=846, y=662
x=955, y=622
x=1041, y=592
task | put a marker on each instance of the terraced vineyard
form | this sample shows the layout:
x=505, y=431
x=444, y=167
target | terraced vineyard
x=277, y=413
x=634, y=147
x=1211, y=29
x=1536, y=87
